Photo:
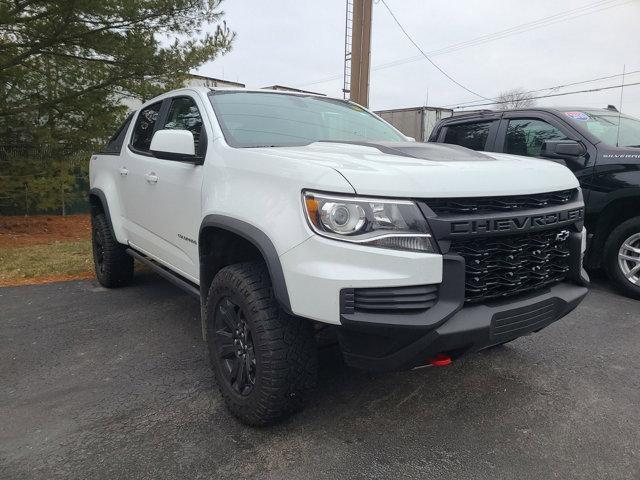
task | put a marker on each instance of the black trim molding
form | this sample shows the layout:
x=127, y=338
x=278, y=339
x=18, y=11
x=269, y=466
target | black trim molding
x=262, y=242
x=96, y=192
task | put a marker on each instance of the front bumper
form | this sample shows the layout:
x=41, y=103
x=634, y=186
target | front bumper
x=319, y=268
x=385, y=347
x=373, y=294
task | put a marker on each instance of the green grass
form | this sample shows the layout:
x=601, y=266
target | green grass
x=61, y=258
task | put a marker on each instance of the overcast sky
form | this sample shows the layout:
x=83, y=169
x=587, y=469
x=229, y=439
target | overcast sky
x=298, y=43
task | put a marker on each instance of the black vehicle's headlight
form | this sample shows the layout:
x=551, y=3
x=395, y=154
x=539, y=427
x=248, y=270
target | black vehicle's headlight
x=377, y=222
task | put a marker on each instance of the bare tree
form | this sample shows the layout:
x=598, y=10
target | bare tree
x=515, y=98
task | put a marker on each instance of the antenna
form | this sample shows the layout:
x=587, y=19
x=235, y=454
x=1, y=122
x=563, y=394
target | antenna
x=624, y=69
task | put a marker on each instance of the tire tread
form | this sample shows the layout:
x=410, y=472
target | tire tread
x=286, y=343
x=118, y=265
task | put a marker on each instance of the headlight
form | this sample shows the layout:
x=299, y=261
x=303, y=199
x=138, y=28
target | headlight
x=387, y=223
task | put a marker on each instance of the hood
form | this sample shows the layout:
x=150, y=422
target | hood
x=422, y=170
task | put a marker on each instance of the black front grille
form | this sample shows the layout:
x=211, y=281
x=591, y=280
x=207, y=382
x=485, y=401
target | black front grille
x=511, y=203
x=507, y=265
x=392, y=299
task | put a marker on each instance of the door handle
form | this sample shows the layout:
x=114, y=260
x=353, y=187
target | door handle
x=123, y=171
x=151, y=177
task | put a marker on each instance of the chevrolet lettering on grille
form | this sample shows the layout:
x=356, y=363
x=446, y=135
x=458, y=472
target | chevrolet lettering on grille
x=515, y=224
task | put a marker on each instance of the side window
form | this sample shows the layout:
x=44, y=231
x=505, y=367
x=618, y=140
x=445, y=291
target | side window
x=184, y=115
x=115, y=142
x=470, y=135
x=143, y=131
x=525, y=136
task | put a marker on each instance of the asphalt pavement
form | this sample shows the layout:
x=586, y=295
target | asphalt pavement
x=109, y=384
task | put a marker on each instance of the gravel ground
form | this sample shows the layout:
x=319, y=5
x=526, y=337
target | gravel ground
x=111, y=384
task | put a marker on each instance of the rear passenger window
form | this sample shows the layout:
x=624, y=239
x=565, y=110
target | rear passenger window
x=470, y=135
x=143, y=131
x=184, y=115
x=525, y=136
x=115, y=142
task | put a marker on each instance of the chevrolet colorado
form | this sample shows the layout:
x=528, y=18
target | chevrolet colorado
x=284, y=212
x=600, y=145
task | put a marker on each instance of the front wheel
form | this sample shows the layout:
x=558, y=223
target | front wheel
x=622, y=257
x=264, y=360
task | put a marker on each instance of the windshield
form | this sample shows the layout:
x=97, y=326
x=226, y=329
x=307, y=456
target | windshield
x=255, y=119
x=604, y=125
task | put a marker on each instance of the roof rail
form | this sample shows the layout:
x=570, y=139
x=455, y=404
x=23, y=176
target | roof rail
x=484, y=111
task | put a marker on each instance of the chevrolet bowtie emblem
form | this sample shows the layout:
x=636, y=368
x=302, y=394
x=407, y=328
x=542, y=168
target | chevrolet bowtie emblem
x=562, y=236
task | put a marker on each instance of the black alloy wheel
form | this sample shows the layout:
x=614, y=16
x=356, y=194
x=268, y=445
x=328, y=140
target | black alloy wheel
x=264, y=359
x=234, y=346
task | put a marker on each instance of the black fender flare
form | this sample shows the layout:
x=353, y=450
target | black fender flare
x=264, y=245
x=99, y=194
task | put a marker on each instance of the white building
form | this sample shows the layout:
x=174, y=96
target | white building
x=133, y=103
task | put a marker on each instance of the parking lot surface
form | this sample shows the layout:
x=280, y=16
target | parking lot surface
x=110, y=384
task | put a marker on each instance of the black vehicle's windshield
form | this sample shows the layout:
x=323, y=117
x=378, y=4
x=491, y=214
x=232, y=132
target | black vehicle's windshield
x=604, y=125
x=256, y=119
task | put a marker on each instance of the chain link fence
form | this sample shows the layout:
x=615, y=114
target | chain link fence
x=43, y=180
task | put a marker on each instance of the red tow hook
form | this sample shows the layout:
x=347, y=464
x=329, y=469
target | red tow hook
x=440, y=360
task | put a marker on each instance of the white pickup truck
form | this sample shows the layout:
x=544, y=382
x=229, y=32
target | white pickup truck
x=284, y=212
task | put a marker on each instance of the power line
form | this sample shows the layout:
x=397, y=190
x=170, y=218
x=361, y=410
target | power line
x=523, y=28
x=471, y=103
x=563, y=94
x=427, y=57
x=515, y=30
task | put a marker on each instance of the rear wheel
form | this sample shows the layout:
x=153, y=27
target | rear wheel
x=264, y=360
x=114, y=268
x=622, y=257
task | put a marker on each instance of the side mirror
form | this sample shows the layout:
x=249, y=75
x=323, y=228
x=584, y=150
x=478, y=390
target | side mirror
x=174, y=145
x=562, y=149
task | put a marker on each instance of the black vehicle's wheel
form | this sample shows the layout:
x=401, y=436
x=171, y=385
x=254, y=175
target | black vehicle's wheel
x=114, y=268
x=622, y=257
x=264, y=360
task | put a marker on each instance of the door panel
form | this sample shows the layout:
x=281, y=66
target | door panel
x=171, y=193
x=135, y=162
x=522, y=133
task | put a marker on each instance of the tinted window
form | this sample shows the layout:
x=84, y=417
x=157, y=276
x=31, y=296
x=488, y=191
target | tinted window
x=143, y=131
x=255, y=119
x=184, y=115
x=610, y=127
x=525, y=136
x=115, y=143
x=470, y=135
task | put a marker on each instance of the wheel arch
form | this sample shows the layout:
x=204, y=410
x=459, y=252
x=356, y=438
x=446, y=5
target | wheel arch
x=615, y=212
x=98, y=204
x=247, y=243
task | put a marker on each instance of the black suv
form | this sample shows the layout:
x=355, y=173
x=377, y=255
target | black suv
x=601, y=147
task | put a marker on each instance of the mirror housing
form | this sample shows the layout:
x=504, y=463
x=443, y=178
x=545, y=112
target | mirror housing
x=175, y=145
x=562, y=149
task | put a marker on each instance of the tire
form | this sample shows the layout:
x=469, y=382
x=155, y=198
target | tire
x=624, y=272
x=113, y=266
x=279, y=367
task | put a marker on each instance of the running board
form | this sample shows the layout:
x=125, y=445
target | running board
x=164, y=272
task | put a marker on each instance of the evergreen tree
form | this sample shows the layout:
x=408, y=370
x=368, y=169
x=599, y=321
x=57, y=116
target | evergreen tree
x=64, y=65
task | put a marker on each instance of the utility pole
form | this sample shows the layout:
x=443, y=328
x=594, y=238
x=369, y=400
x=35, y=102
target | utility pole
x=358, y=50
